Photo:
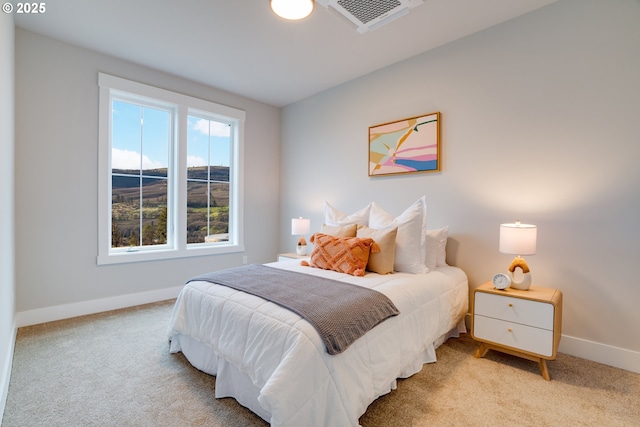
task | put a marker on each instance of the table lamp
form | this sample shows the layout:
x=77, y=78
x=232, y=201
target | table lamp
x=299, y=227
x=519, y=239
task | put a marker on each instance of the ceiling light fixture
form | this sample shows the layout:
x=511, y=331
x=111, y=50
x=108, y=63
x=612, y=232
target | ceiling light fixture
x=292, y=9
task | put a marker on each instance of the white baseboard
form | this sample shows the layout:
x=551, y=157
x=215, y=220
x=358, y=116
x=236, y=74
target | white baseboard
x=609, y=355
x=5, y=374
x=66, y=311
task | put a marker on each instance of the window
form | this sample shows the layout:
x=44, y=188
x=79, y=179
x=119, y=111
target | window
x=140, y=149
x=208, y=158
x=169, y=174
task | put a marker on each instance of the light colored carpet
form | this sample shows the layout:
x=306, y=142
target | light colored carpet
x=114, y=369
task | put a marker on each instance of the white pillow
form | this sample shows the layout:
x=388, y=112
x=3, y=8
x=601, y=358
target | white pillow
x=333, y=217
x=436, y=247
x=442, y=247
x=412, y=232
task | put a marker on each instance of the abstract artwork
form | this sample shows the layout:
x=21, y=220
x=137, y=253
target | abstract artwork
x=405, y=146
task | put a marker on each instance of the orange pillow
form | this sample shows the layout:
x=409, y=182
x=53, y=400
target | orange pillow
x=342, y=254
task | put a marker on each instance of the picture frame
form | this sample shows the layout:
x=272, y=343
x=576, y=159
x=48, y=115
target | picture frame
x=405, y=146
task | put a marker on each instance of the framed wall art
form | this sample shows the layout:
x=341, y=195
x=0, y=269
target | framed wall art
x=405, y=146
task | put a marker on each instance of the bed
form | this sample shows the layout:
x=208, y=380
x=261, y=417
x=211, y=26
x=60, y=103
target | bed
x=274, y=362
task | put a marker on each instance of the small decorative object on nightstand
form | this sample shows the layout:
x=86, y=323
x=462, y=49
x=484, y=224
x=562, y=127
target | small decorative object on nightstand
x=501, y=281
x=526, y=324
x=518, y=239
x=300, y=226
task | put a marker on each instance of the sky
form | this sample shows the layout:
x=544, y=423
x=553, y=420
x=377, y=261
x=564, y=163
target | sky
x=140, y=130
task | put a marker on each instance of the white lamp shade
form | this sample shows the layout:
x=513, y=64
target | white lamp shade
x=300, y=226
x=518, y=239
x=292, y=9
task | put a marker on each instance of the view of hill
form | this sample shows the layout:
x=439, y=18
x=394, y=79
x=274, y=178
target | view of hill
x=202, y=204
x=216, y=173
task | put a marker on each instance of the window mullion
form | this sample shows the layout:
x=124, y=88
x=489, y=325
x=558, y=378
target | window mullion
x=140, y=175
x=209, y=181
x=180, y=181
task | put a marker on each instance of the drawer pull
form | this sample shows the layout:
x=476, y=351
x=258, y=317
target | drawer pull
x=510, y=305
x=509, y=329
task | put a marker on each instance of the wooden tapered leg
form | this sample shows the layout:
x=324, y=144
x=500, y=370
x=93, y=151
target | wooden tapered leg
x=482, y=350
x=543, y=369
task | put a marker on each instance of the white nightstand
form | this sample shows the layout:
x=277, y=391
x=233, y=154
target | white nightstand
x=291, y=255
x=527, y=323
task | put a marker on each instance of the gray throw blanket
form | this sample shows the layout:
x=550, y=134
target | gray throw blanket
x=340, y=312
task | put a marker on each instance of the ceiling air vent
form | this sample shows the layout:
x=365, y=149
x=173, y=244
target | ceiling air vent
x=367, y=15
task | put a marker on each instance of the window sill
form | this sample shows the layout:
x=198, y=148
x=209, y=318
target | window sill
x=159, y=255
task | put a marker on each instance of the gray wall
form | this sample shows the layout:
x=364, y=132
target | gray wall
x=56, y=182
x=539, y=123
x=7, y=278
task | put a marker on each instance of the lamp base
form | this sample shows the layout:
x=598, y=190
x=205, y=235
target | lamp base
x=301, y=249
x=525, y=282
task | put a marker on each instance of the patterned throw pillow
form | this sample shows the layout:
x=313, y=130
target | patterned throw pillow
x=342, y=254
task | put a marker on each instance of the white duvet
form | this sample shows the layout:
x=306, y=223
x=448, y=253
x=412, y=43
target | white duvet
x=279, y=367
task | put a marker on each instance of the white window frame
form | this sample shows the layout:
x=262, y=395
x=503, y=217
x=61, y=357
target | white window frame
x=176, y=247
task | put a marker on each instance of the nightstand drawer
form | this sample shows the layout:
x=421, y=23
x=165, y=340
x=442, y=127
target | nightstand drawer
x=514, y=335
x=517, y=310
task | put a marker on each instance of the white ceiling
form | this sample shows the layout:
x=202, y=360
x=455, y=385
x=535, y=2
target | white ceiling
x=242, y=47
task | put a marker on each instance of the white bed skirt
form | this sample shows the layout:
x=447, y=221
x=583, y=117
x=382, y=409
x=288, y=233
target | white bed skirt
x=230, y=382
